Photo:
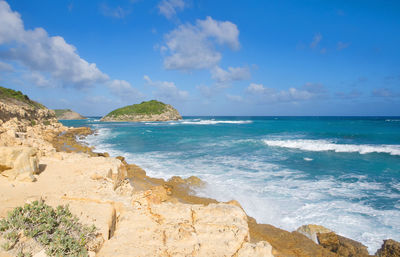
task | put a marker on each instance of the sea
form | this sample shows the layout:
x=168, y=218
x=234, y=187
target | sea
x=339, y=172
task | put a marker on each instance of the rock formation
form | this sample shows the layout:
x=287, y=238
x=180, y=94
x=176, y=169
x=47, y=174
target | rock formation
x=67, y=114
x=390, y=248
x=19, y=162
x=146, y=111
x=342, y=246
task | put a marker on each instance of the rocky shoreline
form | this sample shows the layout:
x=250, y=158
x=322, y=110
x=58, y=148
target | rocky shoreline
x=137, y=215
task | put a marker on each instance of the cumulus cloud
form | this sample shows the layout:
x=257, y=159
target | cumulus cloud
x=266, y=94
x=167, y=90
x=316, y=39
x=51, y=61
x=123, y=89
x=224, y=77
x=194, y=46
x=169, y=8
x=40, y=52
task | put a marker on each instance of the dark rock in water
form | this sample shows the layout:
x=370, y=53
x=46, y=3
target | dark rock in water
x=390, y=248
x=341, y=245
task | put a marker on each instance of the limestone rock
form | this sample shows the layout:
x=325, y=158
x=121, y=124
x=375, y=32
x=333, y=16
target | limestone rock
x=176, y=229
x=342, y=246
x=287, y=244
x=311, y=231
x=19, y=162
x=261, y=249
x=390, y=248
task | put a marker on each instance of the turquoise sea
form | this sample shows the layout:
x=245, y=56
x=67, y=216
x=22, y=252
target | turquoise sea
x=340, y=172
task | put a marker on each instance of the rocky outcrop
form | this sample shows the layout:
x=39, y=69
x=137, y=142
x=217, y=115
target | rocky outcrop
x=176, y=229
x=67, y=114
x=136, y=113
x=25, y=113
x=390, y=248
x=18, y=162
x=312, y=230
x=342, y=246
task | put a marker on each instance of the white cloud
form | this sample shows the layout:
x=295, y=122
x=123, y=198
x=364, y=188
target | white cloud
x=123, y=89
x=6, y=67
x=167, y=90
x=193, y=46
x=316, y=39
x=306, y=92
x=40, y=52
x=169, y=8
x=223, y=77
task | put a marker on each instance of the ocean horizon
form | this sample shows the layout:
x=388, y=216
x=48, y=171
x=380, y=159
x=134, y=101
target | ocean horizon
x=342, y=172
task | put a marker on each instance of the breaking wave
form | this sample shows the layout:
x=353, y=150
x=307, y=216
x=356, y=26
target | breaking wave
x=325, y=145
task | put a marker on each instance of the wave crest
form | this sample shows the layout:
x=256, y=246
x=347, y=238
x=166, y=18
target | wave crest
x=324, y=145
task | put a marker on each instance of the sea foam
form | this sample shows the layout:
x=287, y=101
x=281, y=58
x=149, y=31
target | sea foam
x=325, y=145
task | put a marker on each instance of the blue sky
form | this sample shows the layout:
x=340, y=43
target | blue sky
x=205, y=57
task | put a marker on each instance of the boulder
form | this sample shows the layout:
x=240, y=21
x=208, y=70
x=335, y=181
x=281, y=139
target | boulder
x=390, y=248
x=311, y=231
x=19, y=163
x=341, y=245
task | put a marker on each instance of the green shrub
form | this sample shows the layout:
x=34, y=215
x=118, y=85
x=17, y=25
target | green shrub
x=46, y=122
x=33, y=122
x=57, y=230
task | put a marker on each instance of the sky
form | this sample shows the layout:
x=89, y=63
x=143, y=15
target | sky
x=205, y=58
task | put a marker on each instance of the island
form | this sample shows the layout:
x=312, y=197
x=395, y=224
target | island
x=145, y=111
x=68, y=114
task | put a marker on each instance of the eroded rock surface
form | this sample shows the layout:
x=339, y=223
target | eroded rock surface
x=311, y=231
x=19, y=162
x=390, y=248
x=176, y=229
x=342, y=246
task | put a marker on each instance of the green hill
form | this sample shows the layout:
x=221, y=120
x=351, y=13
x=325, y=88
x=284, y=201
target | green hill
x=8, y=94
x=145, y=111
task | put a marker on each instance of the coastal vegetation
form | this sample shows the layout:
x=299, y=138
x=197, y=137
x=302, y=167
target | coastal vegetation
x=60, y=112
x=57, y=230
x=10, y=94
x=152, y=110
x=145, y=108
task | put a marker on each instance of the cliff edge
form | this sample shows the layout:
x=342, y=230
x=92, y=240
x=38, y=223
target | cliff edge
x=146, y=111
